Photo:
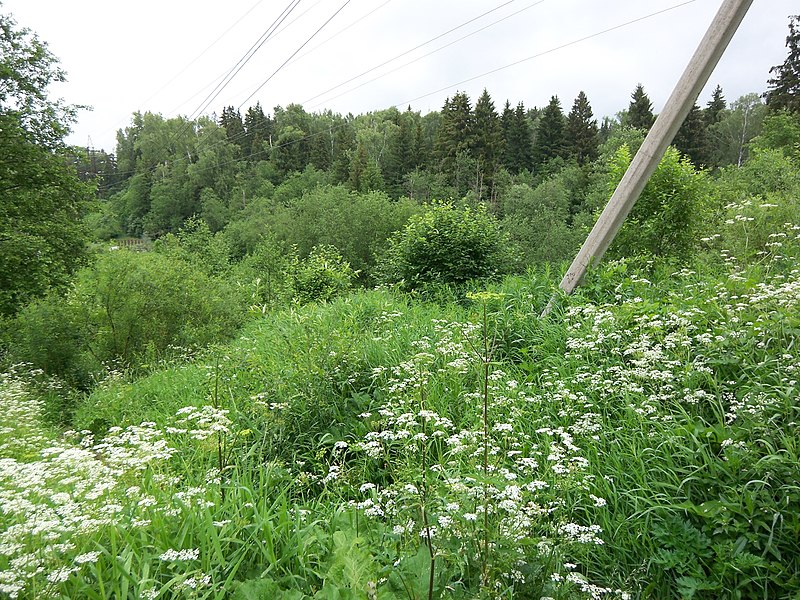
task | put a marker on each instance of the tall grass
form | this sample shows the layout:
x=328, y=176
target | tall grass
x=640, y=443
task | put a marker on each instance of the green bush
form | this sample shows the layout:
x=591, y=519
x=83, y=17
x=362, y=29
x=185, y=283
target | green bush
x=50, y=335
x=321, y=276
x=127, y=308
x=263, y=275
x=537, y=220
x=448, y=244
x=666, y=219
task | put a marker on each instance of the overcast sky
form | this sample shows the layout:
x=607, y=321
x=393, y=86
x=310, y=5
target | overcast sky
x=166, y=56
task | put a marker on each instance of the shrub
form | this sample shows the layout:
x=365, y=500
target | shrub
x=537, y=219
x=48, y=334
x=665, y=221
x=322, y=275
x=448, y=244
x=127, y=307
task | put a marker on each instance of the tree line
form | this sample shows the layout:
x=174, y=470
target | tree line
x=542, y=172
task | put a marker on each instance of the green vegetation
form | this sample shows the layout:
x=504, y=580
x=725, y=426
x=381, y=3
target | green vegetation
x=215, y=401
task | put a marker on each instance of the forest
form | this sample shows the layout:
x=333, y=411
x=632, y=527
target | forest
x=300, y=355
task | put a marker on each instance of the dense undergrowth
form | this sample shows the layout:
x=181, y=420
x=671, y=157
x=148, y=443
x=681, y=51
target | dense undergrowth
x=641, y=441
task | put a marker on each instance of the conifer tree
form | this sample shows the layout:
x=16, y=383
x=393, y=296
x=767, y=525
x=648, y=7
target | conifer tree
x=640, y=110
x=582, y=135
x=713, y=110
x=550, y=142
x=406, y=142
x=231, y=121
x=518, y=146
x=784, y=88
x=258, y=130
x=506, y=124
x=691, y=137
x=455, y=133
x=487, y=144
x=605, y=129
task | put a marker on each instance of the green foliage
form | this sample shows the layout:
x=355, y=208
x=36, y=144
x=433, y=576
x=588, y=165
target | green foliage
x=758, y=218
x=581, y=131
x=518, y=147
x=669, y=213
x=320, y=276
x=730, y=136
x=358, y=225
x=42, y=238
x=126, y=309
x=140, y=303
x=49, y=334
x=781, y=132
x=195, y=244
x=264, y=273
x=448, y=244
x=691, y=138
x=536, y=221
x=550, y=142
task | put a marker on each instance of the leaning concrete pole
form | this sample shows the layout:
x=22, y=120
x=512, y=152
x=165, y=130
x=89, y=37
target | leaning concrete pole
x=689, y=86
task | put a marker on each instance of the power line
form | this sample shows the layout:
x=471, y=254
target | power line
x=294, y=53
x=338, y=33
x=207, y=48
x=196, y=58
x=246, y=58
x=545, y=52
x=441, y=35
x=411, y=62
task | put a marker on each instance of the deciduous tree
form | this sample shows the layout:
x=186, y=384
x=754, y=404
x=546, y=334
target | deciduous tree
x=42, y=241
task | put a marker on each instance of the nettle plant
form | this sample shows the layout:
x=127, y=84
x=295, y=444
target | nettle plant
x=470, y=488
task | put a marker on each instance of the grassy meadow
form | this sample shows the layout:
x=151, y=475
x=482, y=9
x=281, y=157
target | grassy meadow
x=639, y=442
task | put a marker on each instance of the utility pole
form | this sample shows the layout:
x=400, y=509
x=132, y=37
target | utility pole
x=688, y=88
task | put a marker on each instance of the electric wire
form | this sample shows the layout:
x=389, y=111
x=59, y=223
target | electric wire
x=440, y=48
x=246, y=58
x=267, y=80
x=338, y=33
x=549, y=51
x=222, y=75
x=417, y=47
x=196, y=58
x=199, y=56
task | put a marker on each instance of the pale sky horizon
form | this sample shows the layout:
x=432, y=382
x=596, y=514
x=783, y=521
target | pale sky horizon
x=166, y=57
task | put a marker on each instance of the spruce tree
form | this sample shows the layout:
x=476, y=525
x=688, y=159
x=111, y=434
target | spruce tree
x=582, y=134
x=258, y=131
x=518, y=146
x=487, y=146
x=506, y=124
x=231, y=121
x=691, y=137
x=406, y=142
x=455, y=133
x=550, y=142
x=640, y=110
x=713, y=110
x=784, y=88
